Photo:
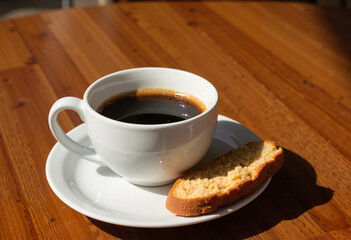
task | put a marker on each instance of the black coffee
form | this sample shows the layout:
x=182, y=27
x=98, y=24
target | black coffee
x=151, y=106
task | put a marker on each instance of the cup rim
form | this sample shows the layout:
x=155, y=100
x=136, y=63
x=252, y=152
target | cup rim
x=147, y=126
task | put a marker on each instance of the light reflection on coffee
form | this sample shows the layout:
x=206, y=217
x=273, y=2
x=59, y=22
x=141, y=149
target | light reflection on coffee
x=152, y=106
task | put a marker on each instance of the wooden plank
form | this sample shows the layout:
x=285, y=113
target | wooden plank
x=299, y=45
x=12, y=48
x=16, y=218
x=339, y=235
x=133, y=41
x=93, y=52
x=65, y=78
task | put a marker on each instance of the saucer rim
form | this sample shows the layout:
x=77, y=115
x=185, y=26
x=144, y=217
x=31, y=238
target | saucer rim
x=182, y=221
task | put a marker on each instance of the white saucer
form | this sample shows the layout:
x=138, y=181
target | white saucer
x=99, y=193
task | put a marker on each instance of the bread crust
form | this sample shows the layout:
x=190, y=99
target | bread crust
x=202, y=205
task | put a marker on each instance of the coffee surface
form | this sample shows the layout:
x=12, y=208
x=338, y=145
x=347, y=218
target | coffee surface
x=151, y=106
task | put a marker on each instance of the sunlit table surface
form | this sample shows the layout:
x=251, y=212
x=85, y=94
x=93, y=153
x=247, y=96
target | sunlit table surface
x=282, y=70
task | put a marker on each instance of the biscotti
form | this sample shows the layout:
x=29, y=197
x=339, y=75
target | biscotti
x=225, y=180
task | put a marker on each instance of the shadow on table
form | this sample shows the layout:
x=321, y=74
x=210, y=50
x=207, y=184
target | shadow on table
x=292, y=192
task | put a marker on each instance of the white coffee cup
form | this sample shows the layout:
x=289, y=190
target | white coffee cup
x=148, y=155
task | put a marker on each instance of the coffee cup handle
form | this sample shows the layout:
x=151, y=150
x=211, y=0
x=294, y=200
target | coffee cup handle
x=75, y=104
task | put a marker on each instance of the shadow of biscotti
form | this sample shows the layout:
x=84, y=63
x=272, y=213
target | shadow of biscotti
x=291, y=192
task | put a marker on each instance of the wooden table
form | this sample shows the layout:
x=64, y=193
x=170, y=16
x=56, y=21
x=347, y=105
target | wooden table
x=281, y=69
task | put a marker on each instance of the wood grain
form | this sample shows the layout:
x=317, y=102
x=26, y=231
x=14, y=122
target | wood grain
x=282, y=69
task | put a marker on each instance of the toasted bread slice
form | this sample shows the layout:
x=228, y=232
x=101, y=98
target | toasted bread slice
x=225, y=180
